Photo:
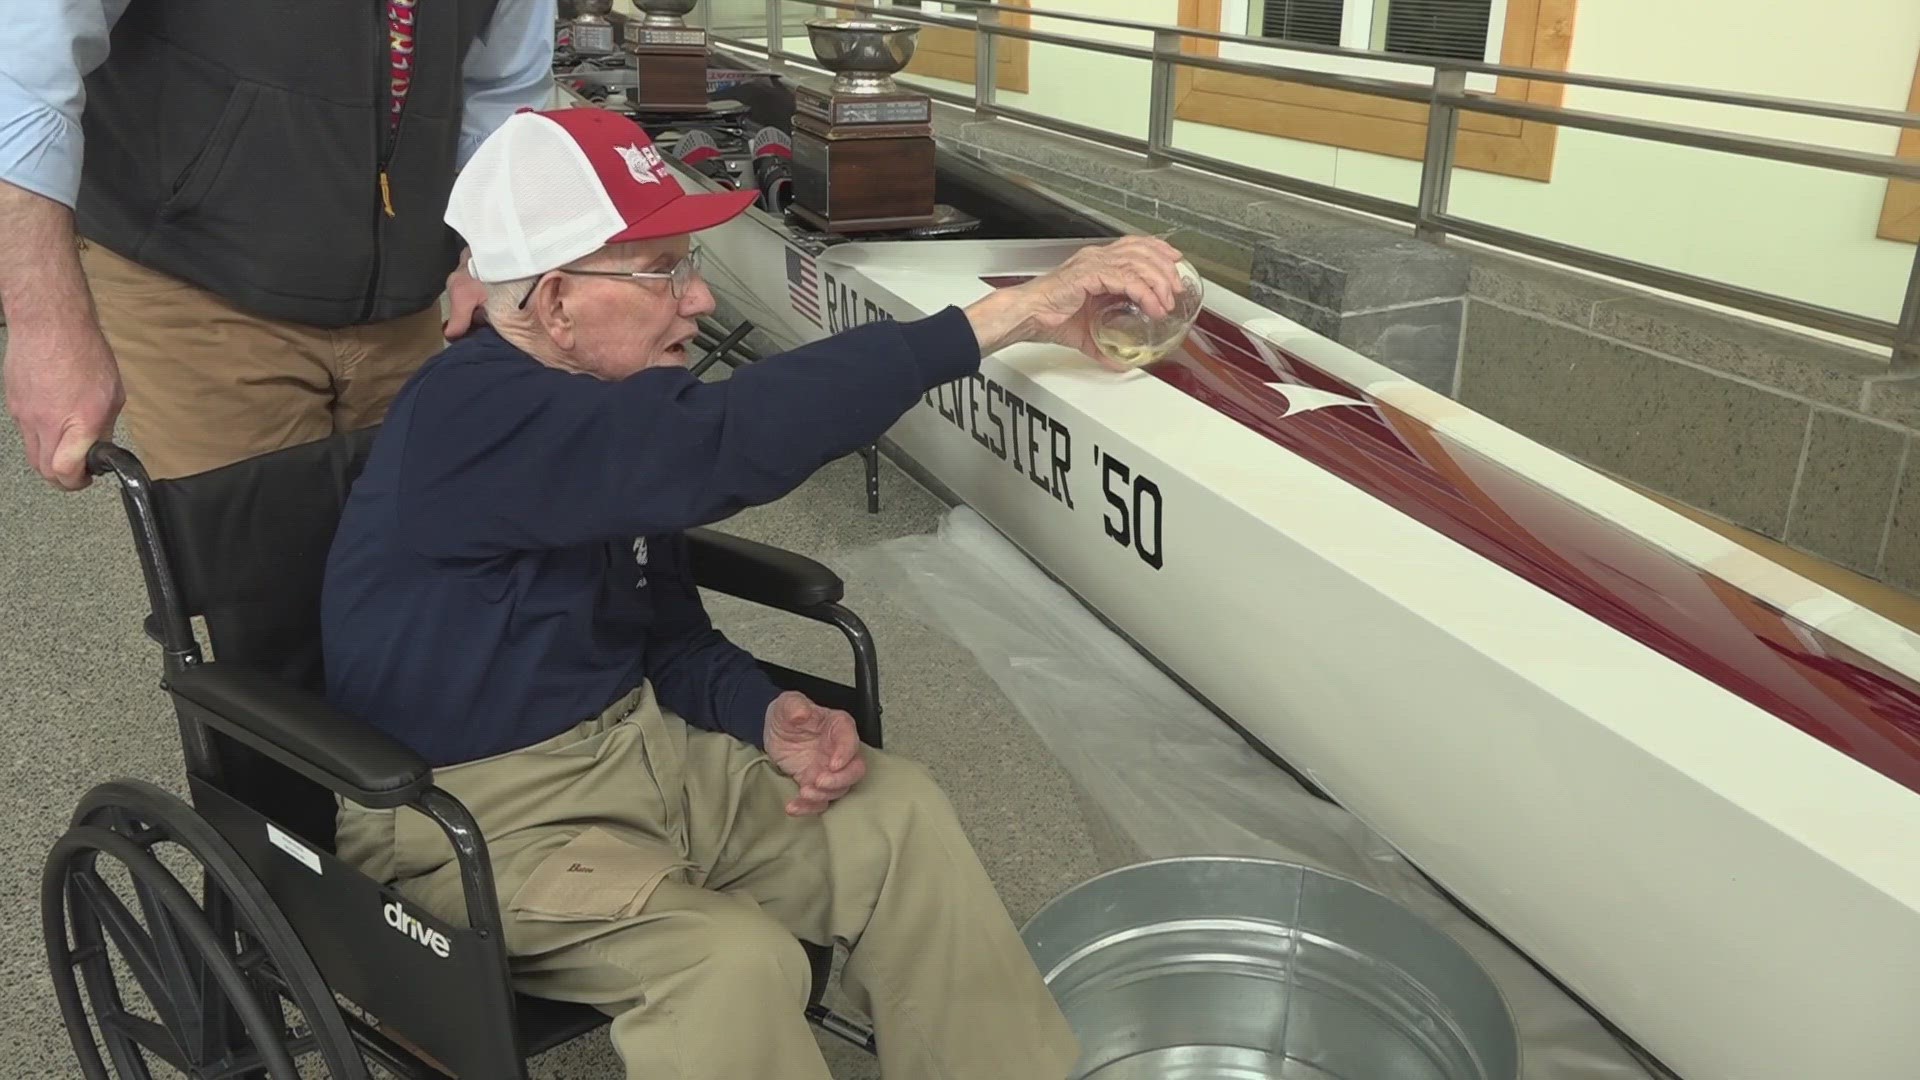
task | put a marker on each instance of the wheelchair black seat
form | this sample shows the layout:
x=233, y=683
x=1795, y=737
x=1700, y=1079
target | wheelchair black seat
x=280, y=918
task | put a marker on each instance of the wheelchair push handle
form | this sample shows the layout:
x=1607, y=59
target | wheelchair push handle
x=167, y=623
x=106, y=456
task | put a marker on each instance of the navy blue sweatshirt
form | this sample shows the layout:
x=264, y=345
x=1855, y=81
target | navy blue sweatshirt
x=511, y=560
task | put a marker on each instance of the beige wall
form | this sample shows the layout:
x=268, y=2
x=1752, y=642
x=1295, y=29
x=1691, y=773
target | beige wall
x=1807, y=233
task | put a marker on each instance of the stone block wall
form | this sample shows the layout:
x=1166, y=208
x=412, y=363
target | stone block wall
x=1393, y=298
x=1799, y=440
x=1802, y=441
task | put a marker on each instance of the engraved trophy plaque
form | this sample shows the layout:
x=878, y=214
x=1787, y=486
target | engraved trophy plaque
x=669, y=58
x=592, y=32
x=863, y=156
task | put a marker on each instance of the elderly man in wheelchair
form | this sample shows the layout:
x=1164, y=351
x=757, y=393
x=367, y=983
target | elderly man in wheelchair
x=559, y=795
x=509, y=595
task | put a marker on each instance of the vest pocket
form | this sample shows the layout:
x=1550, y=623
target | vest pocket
x=193, y=183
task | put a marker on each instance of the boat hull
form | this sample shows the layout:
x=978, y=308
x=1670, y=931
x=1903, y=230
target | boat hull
x=1735, y=893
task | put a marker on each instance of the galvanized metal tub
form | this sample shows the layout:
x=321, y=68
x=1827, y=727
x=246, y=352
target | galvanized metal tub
x=1221, y=968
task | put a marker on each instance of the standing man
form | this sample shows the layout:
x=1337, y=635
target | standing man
x=255, y=193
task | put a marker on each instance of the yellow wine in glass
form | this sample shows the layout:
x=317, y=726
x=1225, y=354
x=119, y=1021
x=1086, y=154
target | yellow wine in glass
x=1125, y=335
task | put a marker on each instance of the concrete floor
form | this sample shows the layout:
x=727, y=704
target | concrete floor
x=79, y=705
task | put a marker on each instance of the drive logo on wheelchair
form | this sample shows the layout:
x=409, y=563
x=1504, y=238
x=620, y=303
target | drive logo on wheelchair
x=428, y=937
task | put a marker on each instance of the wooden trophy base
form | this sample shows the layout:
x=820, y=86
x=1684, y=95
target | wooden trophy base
x=670, y=77
x=858, y=225
x=863, y=177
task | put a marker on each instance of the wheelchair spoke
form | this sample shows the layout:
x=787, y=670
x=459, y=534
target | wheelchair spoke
x=188, y=969
x=202, y=1019
x=222, y=1023
x=174, y=960
x=202, y=1030
x=184, y=964
x=234, y=1065
x=178, y=1003
x=129, y=1058
x=147, y=1036
x=103, y=905
x=251, y=1065
x=233, y=992
x=247, y=1067
x=227, y=991
x=178, y=966
x=94, y=961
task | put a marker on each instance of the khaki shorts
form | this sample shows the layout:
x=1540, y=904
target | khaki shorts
x=208, y=384
x=594, y=796
x=650, y=870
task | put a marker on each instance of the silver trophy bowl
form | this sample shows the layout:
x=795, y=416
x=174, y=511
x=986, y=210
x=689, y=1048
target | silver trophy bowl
x=668, y=13
x=863, y=55
x=592, y=31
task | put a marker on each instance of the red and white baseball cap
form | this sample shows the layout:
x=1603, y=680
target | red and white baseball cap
x=547, y=188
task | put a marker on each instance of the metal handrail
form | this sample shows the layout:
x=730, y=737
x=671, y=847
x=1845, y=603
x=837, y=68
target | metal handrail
x=1470, y=67
x=1446, y=97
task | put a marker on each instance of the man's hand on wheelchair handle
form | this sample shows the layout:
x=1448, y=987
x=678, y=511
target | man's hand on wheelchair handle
x=466, y=300
x=63, y=390
x=819, y=748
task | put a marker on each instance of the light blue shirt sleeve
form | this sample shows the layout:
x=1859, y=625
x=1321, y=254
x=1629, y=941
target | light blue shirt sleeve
x=47, y=47
x=509, y=68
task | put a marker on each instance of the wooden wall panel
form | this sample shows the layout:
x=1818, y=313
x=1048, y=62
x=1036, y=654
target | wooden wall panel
x=1900, y=217
x=1538, y=34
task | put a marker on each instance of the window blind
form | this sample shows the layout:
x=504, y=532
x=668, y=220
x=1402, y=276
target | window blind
x=1311, y=22
x=1454, y=29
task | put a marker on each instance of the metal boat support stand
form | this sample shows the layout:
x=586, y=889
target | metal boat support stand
x=719, y=350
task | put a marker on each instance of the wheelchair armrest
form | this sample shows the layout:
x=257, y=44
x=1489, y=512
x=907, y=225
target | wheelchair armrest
x=301, y=731
x=761, y=573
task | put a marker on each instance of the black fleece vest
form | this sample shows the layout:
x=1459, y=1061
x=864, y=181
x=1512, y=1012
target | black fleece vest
x=239, y=145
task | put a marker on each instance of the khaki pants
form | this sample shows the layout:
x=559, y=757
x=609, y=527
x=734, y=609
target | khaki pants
x=650, y=870
x=208, y=384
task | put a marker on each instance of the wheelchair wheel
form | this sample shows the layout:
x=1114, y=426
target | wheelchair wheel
x=213, y=977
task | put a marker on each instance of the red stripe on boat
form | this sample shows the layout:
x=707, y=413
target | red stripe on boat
x=1808, y=678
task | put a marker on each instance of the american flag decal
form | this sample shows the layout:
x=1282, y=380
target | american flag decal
x=803, y=285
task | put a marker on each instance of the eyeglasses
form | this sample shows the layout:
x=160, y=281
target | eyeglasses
x=678, y=279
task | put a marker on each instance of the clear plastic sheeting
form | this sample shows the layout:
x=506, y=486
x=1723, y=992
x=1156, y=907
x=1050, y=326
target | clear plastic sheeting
x=1172, y=779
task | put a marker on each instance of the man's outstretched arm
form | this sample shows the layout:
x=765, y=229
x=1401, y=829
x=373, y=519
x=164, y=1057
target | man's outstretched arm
x=526, y=457
x=62, y=386
x=532, y=458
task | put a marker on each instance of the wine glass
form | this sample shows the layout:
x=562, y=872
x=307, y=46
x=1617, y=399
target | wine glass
x=1125, y=335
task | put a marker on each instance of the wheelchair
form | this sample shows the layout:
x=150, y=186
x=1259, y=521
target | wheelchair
x=287, y=954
